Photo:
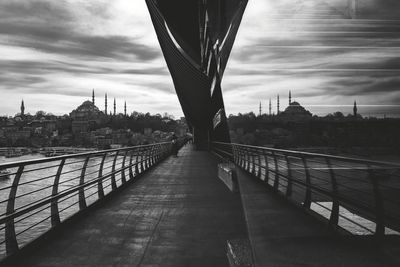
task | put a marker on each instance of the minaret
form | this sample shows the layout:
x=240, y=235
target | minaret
x=105, y=104
x=125, y=109
x=270, y=107
x=355, y=109
x=93, y=97
x=290, y=97
x=260, y=110
x=22, y=108
x=115, y=107
x=277, y=106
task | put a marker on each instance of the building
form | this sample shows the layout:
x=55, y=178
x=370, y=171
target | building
x=85, y=116
x=80, y=127
x=18, y=135
x=147, y=131
x=87, y=111
x=295, y=111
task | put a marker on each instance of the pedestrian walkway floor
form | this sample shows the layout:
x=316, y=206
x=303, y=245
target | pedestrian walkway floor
x=177, y=214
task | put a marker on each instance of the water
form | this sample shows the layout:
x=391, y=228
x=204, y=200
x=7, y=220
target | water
x=37, y=181
x=36, y=184
x=353, y=185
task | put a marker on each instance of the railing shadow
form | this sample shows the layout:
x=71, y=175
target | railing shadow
x=358, y=196
x=38, y=196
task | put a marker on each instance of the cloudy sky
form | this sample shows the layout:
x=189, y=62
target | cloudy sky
x=53, y=53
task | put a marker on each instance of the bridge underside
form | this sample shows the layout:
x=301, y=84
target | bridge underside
x=196, y=37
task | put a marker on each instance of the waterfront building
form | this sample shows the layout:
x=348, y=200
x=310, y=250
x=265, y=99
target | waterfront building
x=80, y=127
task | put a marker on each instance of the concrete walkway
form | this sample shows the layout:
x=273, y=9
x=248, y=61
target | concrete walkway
x=284, y=235
x=178, y=214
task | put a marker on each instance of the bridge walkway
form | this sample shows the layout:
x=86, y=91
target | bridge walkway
x=284, y=235
x=177, y=214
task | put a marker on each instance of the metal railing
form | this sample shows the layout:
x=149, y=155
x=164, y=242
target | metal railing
x=360, y=196
x=37, y=195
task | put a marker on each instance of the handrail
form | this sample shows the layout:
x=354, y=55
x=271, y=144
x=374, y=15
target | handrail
x=50, y=159
x=28, y=207
x=300, y=153
x=345, y=191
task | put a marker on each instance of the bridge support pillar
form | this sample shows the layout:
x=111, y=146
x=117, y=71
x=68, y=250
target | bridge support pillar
x=201, y=138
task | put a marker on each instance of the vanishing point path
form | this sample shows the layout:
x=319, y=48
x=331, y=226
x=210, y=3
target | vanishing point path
x=177, y=214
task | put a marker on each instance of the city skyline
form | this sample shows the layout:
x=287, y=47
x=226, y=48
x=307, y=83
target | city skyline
x=270, y=107
x=112, y=48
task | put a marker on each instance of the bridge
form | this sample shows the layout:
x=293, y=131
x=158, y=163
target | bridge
x=140, y=206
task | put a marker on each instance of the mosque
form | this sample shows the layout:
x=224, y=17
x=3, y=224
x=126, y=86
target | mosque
x=89, y=111
x=88, y=114
x=295, y=110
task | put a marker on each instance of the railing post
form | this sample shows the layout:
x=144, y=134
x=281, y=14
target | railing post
x=159, y=153
x=153, y=155
x=123, y=178
x=141, y=160
x=147, y=158
x=113, y=182
x=247, y=163
x=379, y=207
x=82, y=200
x=238, y=155
x=259, y=173
x=253, y=163
x=290, y=178
x=55, y=215
x=243, y=158
x=137, y=162
x=307, y=199
x=276, y=180
x=156, y=153
x=151, y=151
x=11, y=239
x=234, y=152
x=266, y=168
x=334, y=219
x=130, y=165
x=100, y=189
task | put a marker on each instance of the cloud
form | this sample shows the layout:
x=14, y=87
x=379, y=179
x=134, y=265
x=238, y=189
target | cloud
x=65, y=48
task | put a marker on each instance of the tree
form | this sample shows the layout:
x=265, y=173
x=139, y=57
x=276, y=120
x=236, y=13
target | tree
x=40, y=114
x=338, y=114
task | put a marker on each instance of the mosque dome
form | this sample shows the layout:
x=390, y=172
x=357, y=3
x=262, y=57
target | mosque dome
x=86, y=111
x=295, y=109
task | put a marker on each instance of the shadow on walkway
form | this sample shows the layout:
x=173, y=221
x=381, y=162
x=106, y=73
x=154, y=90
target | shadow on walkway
x=178, y=214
